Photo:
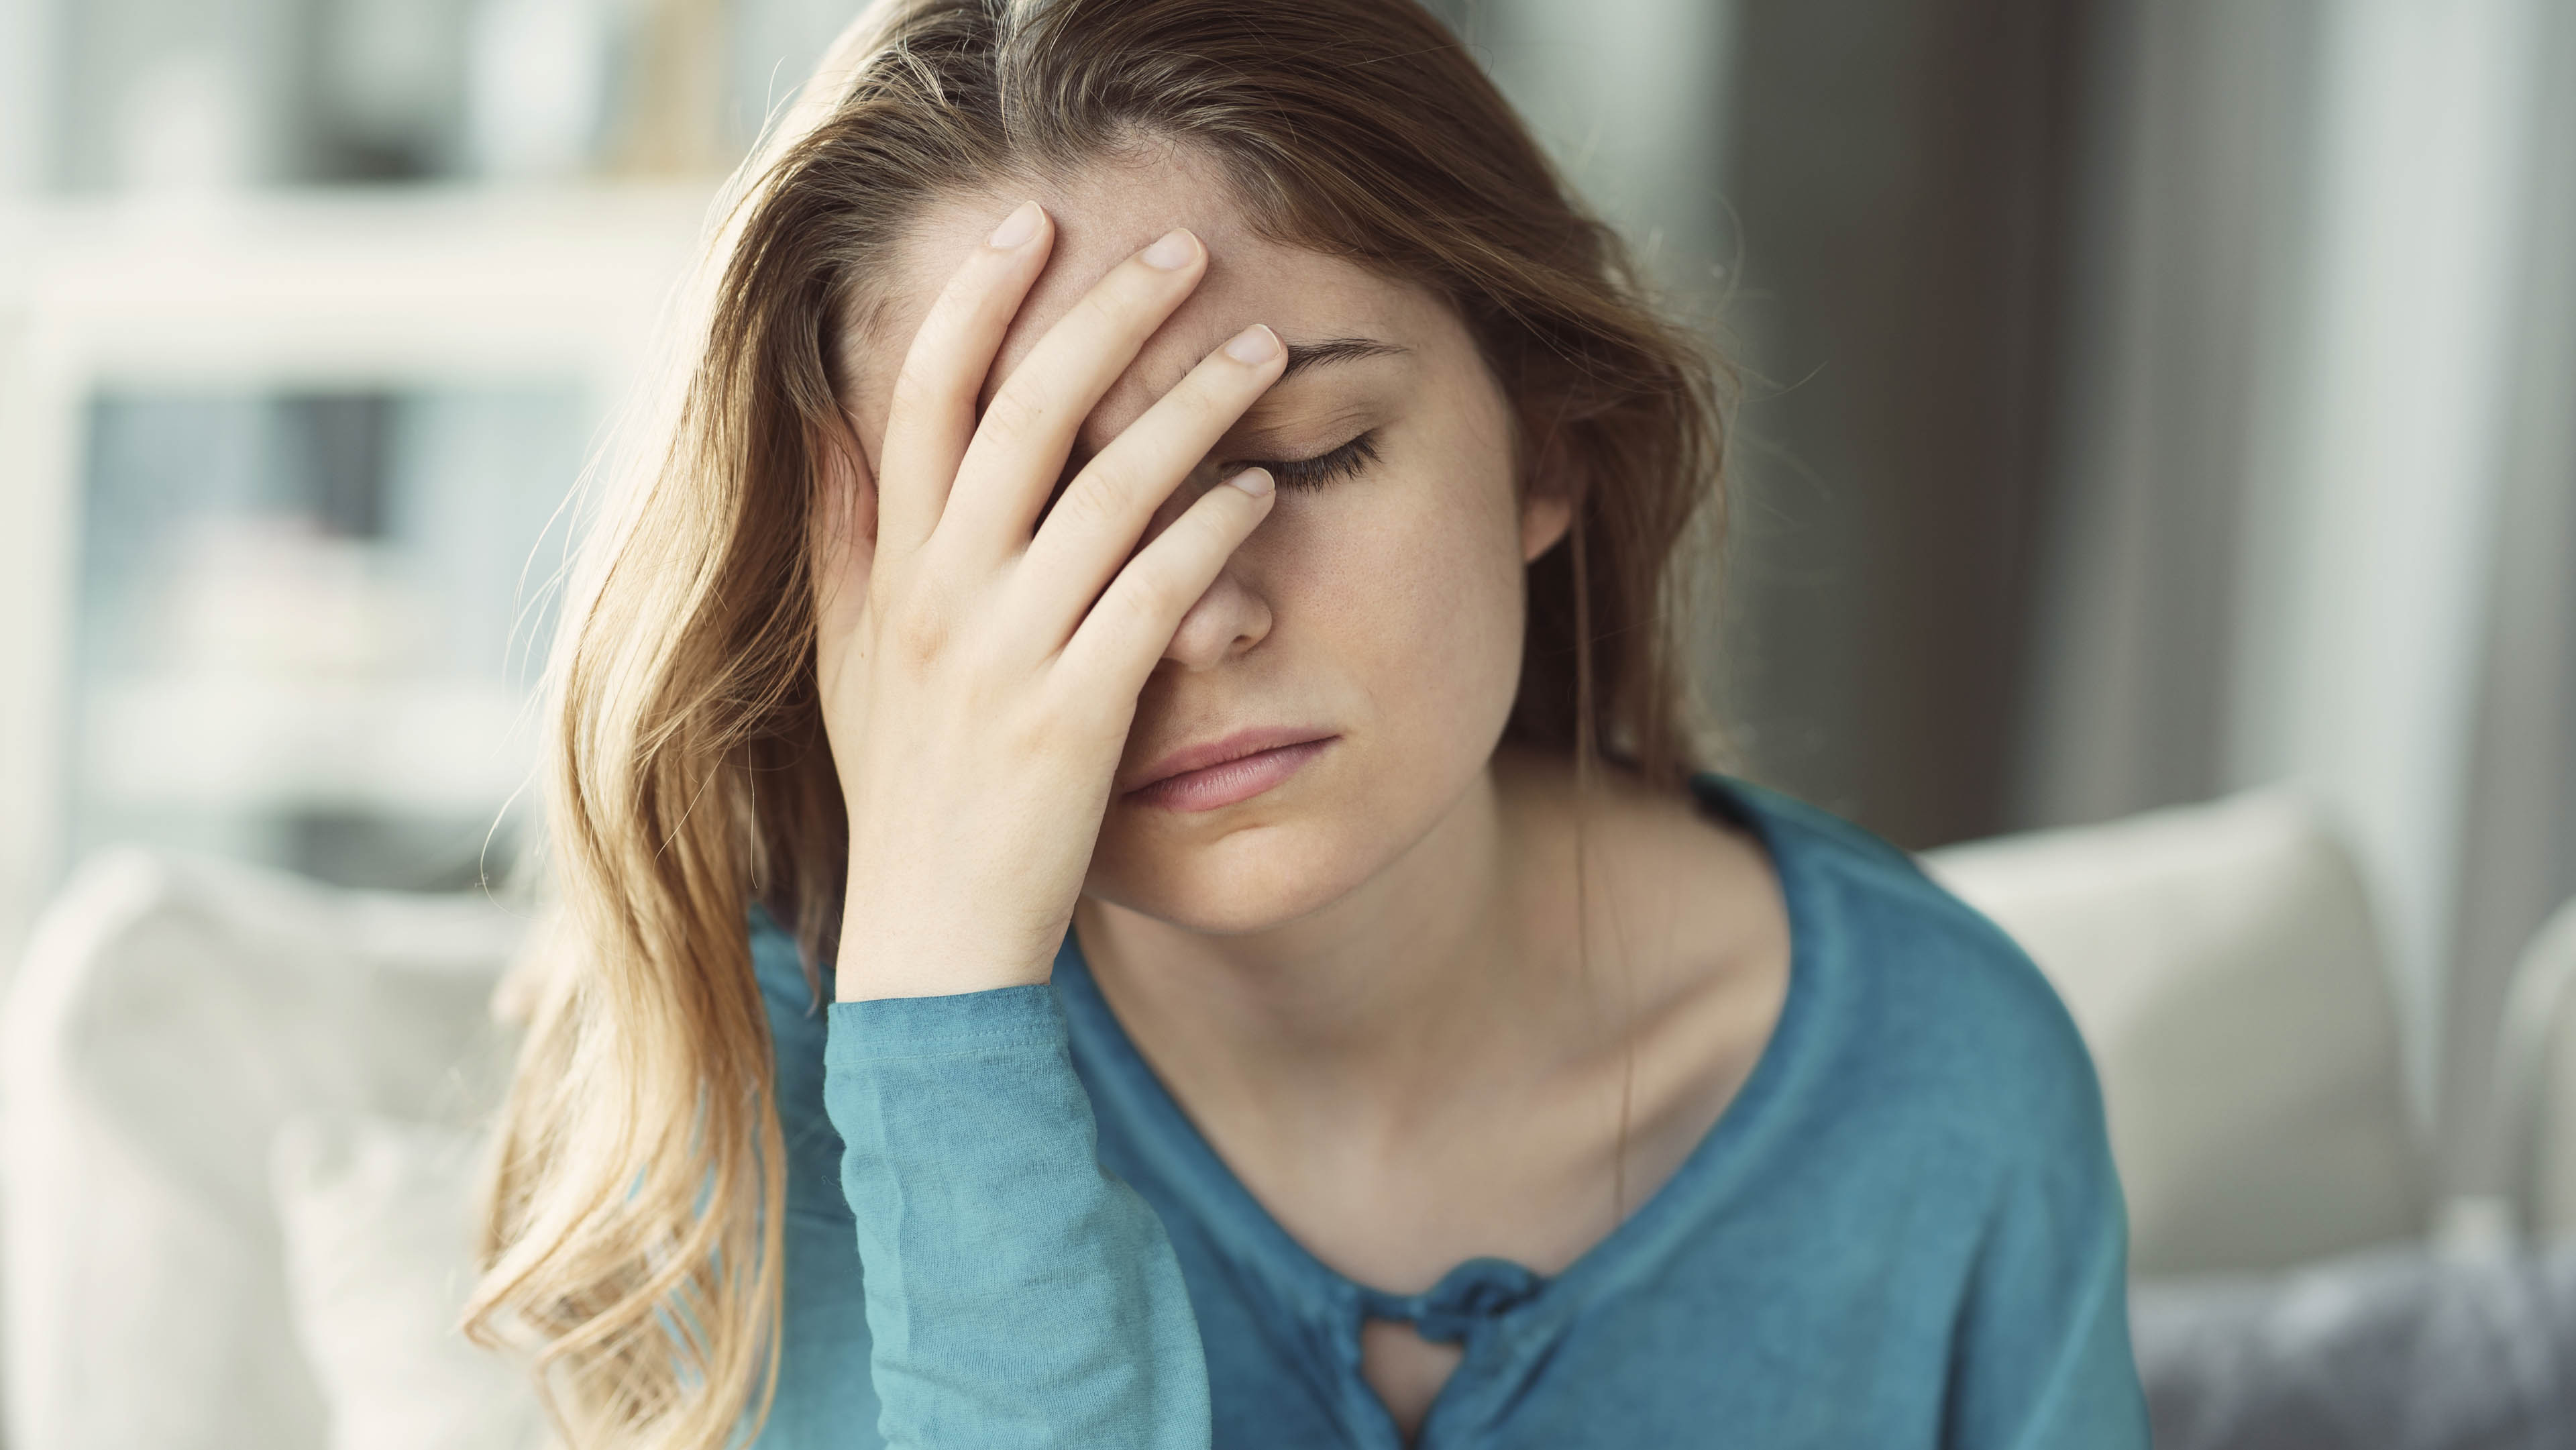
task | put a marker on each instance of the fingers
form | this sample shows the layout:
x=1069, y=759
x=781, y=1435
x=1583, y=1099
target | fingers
x=933, y=418
x=1133, y=624
x=1020, y=447
x=1095, y=525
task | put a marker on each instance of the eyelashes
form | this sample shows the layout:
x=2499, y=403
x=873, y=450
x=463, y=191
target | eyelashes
x=1323, y=468
x=1332, y=465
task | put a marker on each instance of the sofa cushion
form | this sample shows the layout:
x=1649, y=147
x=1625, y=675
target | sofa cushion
x=2223, y=965
x=378, y=1221
x=171, y=1013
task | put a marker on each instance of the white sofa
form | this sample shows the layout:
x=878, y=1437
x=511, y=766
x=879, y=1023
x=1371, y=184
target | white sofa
x=172, y=1016
x=2223, y=965
x=234, y=1105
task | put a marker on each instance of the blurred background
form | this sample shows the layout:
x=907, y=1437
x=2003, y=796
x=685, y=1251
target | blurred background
x=2144, y=402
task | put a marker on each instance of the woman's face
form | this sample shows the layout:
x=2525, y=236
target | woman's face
x=1379, y=604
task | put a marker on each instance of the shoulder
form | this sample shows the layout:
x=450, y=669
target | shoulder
x=1921, y=995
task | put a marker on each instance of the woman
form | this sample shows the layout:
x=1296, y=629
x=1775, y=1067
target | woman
x=1158, y=581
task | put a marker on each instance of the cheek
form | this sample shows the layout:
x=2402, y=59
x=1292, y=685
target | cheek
x=1419, y=587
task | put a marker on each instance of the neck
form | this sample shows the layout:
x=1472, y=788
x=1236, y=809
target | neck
x=1414, y=990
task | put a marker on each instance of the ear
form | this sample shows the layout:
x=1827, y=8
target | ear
x=843, y=527
x=1545, y=515
x=1548, y=485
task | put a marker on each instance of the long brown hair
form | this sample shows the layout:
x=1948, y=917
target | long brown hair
x=633, y=1238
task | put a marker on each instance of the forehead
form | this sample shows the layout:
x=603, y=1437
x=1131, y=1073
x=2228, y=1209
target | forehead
x=1105, y=214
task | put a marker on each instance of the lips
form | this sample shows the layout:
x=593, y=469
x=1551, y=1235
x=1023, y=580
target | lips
x=1221, y=772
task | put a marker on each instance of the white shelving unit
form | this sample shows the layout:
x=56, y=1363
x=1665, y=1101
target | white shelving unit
x=399, y=290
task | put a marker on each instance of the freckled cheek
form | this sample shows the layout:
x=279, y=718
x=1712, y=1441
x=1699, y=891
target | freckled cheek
x=1420, y=599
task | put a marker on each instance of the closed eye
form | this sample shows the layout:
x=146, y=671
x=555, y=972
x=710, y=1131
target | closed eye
x=1322, y=468
x=1335, y=463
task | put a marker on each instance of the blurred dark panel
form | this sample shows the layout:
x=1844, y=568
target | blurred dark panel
x=2158, y=665
x=340, y=442
x=1900, y=171
x=379, y=89
x=363, y=849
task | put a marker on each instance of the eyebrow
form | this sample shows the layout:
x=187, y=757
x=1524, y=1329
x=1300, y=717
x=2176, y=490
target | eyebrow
x=1303, y=355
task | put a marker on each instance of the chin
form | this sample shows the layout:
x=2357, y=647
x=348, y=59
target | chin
x=1247, y=880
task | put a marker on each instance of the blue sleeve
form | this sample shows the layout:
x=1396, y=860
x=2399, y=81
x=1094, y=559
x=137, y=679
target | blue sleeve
x=1017, y=1294
x=824, y=1400
x=2042, y=1355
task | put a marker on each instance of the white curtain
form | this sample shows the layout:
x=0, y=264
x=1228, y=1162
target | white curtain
x=2314, y=516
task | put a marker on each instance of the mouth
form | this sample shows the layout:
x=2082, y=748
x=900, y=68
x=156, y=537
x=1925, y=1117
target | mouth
x=1224, y=772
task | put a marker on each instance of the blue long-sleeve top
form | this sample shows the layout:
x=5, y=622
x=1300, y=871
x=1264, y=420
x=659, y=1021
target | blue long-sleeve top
x=1905, y=1230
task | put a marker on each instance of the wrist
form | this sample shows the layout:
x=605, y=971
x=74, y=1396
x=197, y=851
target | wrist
x=878, y=964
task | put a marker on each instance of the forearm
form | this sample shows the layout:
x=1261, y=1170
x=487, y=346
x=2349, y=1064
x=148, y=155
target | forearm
x=1017, y=1295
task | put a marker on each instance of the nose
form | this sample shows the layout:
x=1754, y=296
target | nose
x=1229, y=617
x=1227, y=620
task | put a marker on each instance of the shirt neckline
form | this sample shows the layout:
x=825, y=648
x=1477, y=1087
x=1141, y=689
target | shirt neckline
x=1482, y=1291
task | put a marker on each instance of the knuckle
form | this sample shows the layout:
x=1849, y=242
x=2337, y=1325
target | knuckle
x=916, y=629
x=969, y=283
x=969, y=291
x=1012, y=413
x=1110, y=307
x=1091, y=504
x=1153, y=597
x=1036, y=728
x=917, y=391
x=1205, y=403
x=1108, y=296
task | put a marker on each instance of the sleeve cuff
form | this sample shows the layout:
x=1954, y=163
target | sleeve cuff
x=890, y=1029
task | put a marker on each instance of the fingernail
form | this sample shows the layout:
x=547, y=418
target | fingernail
x=1171, y=253
x=1016, y=228
x=1254, y=481
x=1253, y=346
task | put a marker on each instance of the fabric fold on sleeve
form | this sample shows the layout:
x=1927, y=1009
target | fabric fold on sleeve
x=1018, y=1294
